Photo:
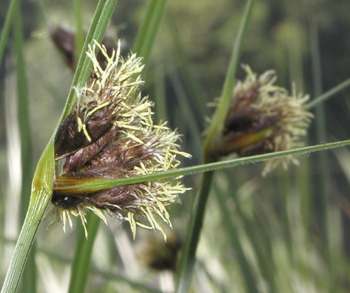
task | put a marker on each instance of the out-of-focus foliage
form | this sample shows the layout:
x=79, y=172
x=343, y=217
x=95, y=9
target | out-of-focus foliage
x=278, y=221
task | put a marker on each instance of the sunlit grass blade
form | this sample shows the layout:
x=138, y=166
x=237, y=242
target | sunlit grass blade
x=29, y=276
x=23, y=113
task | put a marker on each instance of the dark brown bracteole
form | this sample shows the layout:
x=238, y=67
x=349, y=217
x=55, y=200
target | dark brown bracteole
x=68, y=139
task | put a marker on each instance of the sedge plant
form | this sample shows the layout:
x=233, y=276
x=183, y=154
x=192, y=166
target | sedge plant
x=98, y=190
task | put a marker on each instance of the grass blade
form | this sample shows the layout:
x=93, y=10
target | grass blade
x=79, y=272
x=84, y=246
x=43, y=177
x=326, y=204
x=41, y=193
x=29, y=277
x=187, y=261
x=75, y=186
x=79, y=34
x=80, y=267
x=7, y=25
x=149, y=28
x=233, y=236
x=215, y=128
x=329, y=94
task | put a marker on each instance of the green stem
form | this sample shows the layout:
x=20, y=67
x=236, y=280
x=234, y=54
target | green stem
x=80, y=267
x=29, y=277
x=82, y=257
x=22, y=249
x=7, y=25
x=325, y=176
x=322, y=98
x=159, y=87
x=76, y=186
x=142, y=32
x=234, y=238
x=43, y=177
x=97, y=28
x=188, y=255
x=149, y=28
x=79, y=273
x=217, y=123
x=23, y=114
x=41, y=194
x=79, y=34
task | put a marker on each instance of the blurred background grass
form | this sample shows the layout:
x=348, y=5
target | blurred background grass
x=287, y=232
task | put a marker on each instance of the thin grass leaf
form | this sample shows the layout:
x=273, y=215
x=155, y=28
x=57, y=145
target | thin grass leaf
x=81, y=262
x=75, y=186
x=327, y=95
x=97, y=28
x=42, y=11
x=79, y=34
x=23, y=113
x=43, y=177
x=187, y=117
x=149, y=28
x=41, y=194
x=283, y=185
x=187, y=261
x=147, y=33
x=258, y=239
x=108, y=275
x=234, y=238
x=7, y=25
x=217, y=123
x=159, y=85
x=79, y=272
x=29, y=277
x=325, y=182
x=197, y=92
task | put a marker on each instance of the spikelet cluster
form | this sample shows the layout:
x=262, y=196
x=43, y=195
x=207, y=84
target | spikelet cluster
x=264, y=118
x=110, y=134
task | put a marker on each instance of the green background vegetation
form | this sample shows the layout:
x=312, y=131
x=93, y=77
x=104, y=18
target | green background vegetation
x=287, y=232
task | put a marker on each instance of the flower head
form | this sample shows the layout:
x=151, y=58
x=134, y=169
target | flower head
x=160, y=255
x=63, y=39
x=264, y=118
x=110, y=134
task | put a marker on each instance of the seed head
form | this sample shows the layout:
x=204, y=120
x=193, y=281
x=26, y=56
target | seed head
x=110, y=134
x=264, y=118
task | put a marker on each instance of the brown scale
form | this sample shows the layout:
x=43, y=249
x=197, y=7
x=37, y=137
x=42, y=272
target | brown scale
x=64, y=40
x=104, y=157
